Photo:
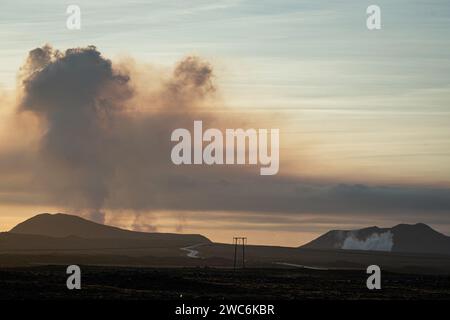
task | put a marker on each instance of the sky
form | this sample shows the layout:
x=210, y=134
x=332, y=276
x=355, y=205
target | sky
x=364, y=115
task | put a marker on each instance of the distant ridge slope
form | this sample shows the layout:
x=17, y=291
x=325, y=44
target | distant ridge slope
x=64, y=225
x=417, y=238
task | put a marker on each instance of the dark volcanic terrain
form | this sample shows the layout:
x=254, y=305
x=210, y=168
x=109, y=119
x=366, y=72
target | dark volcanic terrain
x=124, y=264
x=49, y=282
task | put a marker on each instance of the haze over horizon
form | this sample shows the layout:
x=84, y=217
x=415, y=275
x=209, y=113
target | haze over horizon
x=363, y=116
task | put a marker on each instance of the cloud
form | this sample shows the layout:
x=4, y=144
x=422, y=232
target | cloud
x=104, y=144
x=78, y=96
x=103, y=135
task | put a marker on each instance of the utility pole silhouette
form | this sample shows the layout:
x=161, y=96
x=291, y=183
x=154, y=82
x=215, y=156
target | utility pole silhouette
x=236, y=241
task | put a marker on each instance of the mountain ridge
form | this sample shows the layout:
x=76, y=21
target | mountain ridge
x=56, y=225
x=408, y=238
x=46, y=230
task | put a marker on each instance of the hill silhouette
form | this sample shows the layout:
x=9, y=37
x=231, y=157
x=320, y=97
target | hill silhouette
x=48, y=239
x=412, y=238
x=59, y=231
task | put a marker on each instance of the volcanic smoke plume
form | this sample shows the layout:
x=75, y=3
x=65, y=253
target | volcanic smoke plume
x=94, y=143
x=104, y=145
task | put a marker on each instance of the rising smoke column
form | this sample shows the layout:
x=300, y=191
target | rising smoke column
x=78, y=96
x=93, y=144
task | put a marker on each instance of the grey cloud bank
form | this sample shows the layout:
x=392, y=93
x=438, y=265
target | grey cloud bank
x=97, y=153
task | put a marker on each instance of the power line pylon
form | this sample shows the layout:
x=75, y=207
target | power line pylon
x=236, y=241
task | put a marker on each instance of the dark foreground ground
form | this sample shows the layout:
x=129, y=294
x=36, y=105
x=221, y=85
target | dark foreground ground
x=49, y=282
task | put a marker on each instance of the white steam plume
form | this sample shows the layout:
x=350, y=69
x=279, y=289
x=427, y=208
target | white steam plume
x=375, y=242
